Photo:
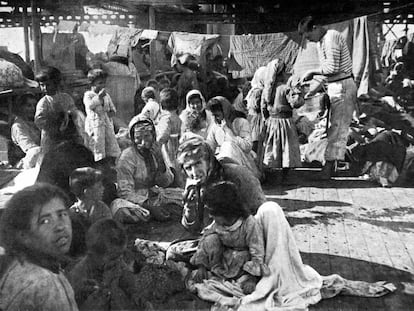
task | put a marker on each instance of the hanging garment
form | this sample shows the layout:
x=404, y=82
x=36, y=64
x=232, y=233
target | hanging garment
x=253, y=51
x=192, y=43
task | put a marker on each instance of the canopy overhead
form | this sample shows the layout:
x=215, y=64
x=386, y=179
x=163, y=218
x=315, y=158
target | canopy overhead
x=258, y=16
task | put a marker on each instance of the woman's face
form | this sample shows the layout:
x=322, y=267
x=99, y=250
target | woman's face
x=143, y=138
x=197, y=169
x=49, y=87
x=195, y=104
x=50, y=229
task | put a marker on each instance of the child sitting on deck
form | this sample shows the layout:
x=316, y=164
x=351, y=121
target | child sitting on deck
x=232, y=246
x=86, y=185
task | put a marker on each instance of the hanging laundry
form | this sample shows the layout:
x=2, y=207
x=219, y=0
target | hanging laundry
x=254, y=51
x=195, y=44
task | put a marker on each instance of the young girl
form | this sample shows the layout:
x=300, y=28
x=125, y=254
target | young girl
x=169, y=131
x=152, y=108
x=98, y=124
x=232, y=246
x=51, y=106
x=280, y=147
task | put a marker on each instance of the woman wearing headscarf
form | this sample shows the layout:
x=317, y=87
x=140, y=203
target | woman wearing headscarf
x=142, y=173
x=230, y=135
x=195, y=104
x=202, y=169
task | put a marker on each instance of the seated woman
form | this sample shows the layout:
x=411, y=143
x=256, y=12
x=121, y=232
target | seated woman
x=231, y=135
x=195, y=103
x=142, y=172
x=36, y=237
x=24, y=133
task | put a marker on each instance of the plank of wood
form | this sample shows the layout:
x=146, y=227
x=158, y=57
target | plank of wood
x=319, y=238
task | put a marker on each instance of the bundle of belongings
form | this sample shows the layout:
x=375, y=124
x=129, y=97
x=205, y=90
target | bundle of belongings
x=134, y=278
x=14, y=75
x=379, y=135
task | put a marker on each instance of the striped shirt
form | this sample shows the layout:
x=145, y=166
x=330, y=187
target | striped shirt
x=334, y=54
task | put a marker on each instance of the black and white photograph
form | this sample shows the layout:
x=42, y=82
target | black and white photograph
x=213, y=155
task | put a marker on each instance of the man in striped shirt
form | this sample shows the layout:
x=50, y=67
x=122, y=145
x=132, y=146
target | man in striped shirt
x=336, y=65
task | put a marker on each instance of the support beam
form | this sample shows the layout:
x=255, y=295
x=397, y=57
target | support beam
x=151, y=15
x=26, y=34
x=36, y=37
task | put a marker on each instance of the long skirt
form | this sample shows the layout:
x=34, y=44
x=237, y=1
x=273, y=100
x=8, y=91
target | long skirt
x=280, y=147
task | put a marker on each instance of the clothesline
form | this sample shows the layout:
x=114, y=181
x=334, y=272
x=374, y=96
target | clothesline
x=368, y=15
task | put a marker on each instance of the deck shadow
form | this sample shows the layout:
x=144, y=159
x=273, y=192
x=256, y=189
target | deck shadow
x=355, y=269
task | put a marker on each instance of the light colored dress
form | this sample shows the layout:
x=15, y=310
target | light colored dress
x=26, y=286
x=26, y=135
x=99, y=126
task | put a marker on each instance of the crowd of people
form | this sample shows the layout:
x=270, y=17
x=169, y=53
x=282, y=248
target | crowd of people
x=201, y=152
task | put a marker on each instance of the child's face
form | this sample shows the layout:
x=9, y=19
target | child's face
x=48, y=87
x=50, y=229
x=224, y=221
x=95, y=192
x=98, y=85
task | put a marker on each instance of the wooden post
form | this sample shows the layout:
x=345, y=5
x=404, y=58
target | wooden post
x=36, y=37
x=26, y=34
x=151, y=15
